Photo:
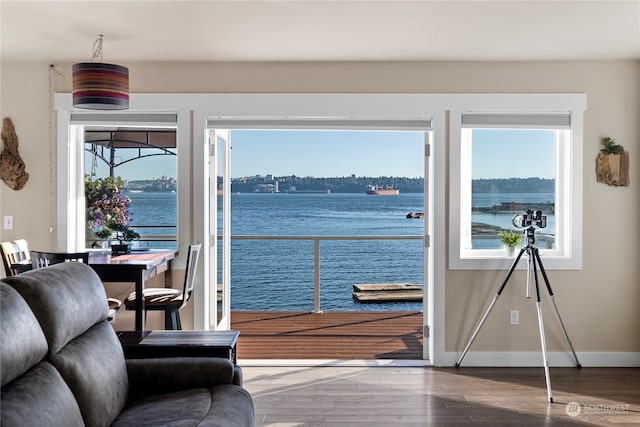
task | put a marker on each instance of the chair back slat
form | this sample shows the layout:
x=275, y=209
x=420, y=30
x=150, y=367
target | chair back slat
x=14, y=252
x=44, y=259
x=190, y=272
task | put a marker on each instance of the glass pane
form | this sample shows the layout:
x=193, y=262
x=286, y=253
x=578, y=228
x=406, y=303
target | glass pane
x=143, y=162
x=290, y=184
x=513, y=170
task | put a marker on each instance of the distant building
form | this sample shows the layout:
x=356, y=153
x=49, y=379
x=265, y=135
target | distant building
x=151, y=185
x=265, y=188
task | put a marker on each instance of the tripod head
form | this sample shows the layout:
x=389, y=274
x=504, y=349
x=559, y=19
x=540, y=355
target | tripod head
x=530, y=234
x=530, y=220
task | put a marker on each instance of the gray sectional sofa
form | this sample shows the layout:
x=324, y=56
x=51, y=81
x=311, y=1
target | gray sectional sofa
x=62, y=364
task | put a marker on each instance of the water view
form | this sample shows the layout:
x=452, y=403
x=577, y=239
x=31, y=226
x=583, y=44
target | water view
x=279, y=274
x=504, y=219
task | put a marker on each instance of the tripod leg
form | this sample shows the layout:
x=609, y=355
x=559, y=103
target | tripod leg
x=475, y=332
x=544, y=352
x=486, y=313
x=543, y=342
x=553, y=299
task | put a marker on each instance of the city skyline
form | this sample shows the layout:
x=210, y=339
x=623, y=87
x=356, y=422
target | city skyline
x=327, y=153
x=322, y=153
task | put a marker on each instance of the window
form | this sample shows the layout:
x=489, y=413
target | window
x=508, y=164
x=145, y=160
x=134, y=146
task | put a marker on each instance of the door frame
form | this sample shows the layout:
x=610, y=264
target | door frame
x=219, y=141
x=370, y=107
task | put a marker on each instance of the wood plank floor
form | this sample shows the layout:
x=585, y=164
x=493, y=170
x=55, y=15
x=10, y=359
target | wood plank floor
x=329, y=335
x=411, y=396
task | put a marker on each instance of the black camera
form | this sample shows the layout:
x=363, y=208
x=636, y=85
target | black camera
x=530, y=219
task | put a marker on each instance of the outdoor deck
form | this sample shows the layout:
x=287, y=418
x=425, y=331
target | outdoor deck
x=329, y=335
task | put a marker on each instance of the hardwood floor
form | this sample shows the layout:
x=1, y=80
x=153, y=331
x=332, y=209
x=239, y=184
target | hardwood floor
x=394, y=396
x=329, y=335
x=343, y=394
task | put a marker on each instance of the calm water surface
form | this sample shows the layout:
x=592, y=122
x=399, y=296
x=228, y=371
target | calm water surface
x=279, y=274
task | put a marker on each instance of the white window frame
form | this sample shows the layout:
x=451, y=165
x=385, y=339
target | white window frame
x=562, y=149
x=568, y=252
x=75, y=240
x=70, y=234
x=194, y=109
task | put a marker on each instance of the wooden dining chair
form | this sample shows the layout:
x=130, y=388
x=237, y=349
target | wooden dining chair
x=41, y=259
x=44, y=259
x=13, y=252
x=170, y=300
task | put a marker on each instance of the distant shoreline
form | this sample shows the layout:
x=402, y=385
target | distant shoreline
x=354, y=184
x=513, y=207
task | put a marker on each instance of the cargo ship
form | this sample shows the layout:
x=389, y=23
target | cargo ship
x=379, y=191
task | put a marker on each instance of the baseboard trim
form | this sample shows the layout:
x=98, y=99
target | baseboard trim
x=534, y=358
x=397, y=363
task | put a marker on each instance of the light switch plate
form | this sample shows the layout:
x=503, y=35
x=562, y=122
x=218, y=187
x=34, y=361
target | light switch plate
x=8, y=222
x=514, y=317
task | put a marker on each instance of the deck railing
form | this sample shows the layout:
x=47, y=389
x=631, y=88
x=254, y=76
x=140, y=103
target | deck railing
x=547, y=240
x=148, y=240
x=316, y=252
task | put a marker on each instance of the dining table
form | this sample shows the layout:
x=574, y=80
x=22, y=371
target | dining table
x=138, y=266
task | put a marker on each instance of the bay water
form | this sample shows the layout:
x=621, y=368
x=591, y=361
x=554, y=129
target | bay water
x=279, y=274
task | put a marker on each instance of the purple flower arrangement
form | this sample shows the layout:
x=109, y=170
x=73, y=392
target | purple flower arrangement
x=108, y=209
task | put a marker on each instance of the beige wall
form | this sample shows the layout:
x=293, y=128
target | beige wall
x=599, y=304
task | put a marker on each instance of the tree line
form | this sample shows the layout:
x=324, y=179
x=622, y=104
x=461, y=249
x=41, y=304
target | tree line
x=354, y=184
x=513, y=185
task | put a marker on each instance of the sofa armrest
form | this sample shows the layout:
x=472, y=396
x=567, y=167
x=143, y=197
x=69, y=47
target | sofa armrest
x=237, y=375
x=165, y=375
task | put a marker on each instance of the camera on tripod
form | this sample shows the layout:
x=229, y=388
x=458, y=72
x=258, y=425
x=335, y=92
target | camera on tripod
x=530, y=219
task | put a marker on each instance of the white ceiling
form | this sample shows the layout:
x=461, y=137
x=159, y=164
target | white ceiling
x=271, y=30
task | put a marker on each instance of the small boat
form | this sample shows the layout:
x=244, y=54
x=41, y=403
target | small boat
x=376, y=190
x=415, y=215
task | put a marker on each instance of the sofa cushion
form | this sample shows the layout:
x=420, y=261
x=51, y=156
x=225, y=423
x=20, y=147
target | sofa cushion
x=40, y=397
x=23, y=343
x=230, y=406
x=224, y=406
x=164, y=375
x=67, y=299
x=93, y=366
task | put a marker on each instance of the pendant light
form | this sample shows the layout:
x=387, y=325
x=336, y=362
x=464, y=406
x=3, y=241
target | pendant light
x=100, y=86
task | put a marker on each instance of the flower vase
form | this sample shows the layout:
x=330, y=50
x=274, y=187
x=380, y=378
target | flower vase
x=510, y=250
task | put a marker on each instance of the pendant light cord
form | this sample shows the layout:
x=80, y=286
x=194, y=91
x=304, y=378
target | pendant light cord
x=97, y=49
x=52, y=162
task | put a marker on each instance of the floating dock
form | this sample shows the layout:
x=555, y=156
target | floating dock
x=387, y=292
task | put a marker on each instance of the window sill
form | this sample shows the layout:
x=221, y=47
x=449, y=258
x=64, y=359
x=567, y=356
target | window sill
x=493, y=260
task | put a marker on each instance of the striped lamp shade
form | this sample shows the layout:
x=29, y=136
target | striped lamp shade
x=100, y=86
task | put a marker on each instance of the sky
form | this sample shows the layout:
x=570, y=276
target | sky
x=327, y=153
x=513, y=153
x=496, y=154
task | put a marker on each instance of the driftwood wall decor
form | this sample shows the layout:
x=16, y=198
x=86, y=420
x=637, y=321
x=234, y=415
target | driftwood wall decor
x=613, y=169
x=12, y=168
